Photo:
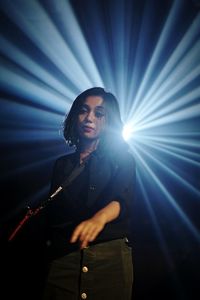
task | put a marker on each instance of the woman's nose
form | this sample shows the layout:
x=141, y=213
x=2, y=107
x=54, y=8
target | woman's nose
x=90, y=116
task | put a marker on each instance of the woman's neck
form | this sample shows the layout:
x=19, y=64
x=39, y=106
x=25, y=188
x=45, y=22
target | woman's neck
x=86, y=148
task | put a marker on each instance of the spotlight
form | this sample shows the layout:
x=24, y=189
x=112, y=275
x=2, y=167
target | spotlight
x=127, y=132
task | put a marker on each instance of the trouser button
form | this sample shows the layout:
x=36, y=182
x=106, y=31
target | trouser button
x=85, y=269
x=83, y=296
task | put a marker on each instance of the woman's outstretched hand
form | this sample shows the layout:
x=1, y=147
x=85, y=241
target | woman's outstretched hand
x=88, y=230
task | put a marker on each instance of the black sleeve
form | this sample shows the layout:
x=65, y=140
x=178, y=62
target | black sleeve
x=123, y=184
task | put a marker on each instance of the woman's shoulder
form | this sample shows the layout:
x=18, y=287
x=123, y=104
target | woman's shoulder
x=122, y=158
x=126, y=157
x=123, y=152
x=63, y=159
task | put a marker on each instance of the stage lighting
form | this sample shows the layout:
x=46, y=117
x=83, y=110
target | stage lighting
x=127, y=132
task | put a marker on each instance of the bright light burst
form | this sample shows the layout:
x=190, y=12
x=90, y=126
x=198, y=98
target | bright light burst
x=127, y=132
x=52, y=51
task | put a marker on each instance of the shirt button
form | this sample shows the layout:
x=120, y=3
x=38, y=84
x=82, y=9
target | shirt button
x=83, y=295
x=92, y=187
x=85, y=269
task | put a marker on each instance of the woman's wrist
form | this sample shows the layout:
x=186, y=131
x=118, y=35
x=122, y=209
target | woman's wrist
x=109, y=212
x=101, y=216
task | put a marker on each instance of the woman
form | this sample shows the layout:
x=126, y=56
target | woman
x=89, y=221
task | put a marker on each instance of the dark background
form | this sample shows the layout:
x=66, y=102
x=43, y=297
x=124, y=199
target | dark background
x=166, y=246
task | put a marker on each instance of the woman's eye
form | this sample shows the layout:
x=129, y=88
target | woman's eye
x=99, y=114
x=82, y=111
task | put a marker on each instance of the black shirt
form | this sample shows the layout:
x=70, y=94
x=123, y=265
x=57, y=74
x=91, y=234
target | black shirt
x=104, y=179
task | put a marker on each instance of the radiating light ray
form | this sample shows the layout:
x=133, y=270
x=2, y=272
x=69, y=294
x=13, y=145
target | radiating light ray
x=21, y=135
x=15, y=81
x=157, y=53
x=97, y=35
x=25, y=62
x=173, y=151
x=182, y=141
x=44, y=157
x=176, y=104
x=59, y=53
x=183, y=74
x=156, y=226
x=131, y=49
x=183, y=46
x=26, y=123
x=27, y=116
x=162, y=242
x=29, y=167
x=118, y=51
x=183, y=114
x=140, y=52
x=164, y=167
x=66, y=18
x=167, y=195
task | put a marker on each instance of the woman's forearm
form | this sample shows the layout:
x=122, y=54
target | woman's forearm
x=88, y=230
x=110, y=212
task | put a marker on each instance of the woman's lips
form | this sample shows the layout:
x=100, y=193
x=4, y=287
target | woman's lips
x=88, y=129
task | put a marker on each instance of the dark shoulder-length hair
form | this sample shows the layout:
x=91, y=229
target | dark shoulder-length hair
x=112, y=135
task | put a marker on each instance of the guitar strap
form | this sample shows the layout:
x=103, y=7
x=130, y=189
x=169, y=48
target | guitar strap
x=34, y=211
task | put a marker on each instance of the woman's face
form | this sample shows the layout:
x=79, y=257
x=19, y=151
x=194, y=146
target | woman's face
x=91, y=118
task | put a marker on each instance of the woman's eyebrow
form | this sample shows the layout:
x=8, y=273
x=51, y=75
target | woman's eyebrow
x=100, y=107
x=96, y=107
